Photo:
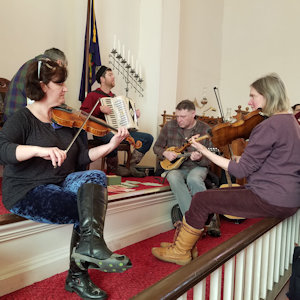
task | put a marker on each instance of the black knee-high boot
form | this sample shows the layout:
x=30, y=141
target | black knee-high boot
x=92, y=205
x=78, y=280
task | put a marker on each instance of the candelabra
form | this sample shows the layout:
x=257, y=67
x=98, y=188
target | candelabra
x=204, y=101
x=132, y=77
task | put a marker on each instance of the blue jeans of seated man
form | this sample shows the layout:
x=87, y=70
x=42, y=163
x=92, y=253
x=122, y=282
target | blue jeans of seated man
x=145, y=138
x=185, y=183
x=57, y=204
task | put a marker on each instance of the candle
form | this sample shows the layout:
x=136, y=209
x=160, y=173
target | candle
x=119, y=46
x=115, y=40
x=137, y=66
x=132, y=65
x=140, y=73
x=123, y=51
x=128, y=57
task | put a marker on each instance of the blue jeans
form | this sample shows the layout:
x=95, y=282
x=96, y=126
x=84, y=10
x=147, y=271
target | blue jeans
x=145, y=138
x=57, y=204
x=185, y=183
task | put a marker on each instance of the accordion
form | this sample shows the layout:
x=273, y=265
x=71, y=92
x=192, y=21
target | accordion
x=123, y=112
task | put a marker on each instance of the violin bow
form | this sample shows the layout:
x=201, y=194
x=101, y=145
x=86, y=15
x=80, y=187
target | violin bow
x=79, y=130
x=216, y=90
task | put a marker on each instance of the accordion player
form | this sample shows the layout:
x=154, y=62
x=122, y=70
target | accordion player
x=123, y=112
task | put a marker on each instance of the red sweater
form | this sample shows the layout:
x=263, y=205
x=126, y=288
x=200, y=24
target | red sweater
x=91, y=99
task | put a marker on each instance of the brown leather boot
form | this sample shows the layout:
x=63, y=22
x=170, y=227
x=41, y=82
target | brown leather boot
x=113, y=167
x=178, y=226
x=180, y=251
x=136, y=157
x=213, y=228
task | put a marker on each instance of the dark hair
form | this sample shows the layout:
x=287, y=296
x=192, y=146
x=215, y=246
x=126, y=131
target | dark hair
x=43, y=71
x=186, y=104
x=101, y=72
x=294, y=106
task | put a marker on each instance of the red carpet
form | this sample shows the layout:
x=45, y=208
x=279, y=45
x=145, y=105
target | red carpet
x=146, y=269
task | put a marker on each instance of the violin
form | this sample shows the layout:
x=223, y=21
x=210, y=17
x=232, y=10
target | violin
x=224, y=133
x=66, y=116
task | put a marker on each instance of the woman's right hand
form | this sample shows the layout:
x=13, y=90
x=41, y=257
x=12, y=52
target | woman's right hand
x=56, y=155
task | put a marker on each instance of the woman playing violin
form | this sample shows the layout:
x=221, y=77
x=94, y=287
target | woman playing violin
x=270, y=163
x=42, y=181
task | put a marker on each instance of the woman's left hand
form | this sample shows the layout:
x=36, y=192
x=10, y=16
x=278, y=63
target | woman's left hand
x=200, y=148
x=119, y=136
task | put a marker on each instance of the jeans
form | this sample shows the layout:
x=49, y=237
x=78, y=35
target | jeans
x=57, y=204
x=185, y=183
x=145, y=138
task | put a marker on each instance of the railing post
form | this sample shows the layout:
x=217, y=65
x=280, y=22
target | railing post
x=283, y=247
x=215, y=284
x=264, y=265
x=229, y=279
x=272, y=262
x=249, y=272
x=278, y=252
x=199, y=290
x=257, y=268
x=239, y=275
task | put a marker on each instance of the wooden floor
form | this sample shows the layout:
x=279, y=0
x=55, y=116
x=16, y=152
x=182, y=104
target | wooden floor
x=282, y=294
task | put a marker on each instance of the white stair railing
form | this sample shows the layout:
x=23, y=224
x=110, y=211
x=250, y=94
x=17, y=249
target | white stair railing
x=250, y=266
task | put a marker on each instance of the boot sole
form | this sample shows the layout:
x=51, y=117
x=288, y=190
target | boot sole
x=175, y=261
x=73, y=290
x=114, y=264
x=194, y=253
x=214, y=233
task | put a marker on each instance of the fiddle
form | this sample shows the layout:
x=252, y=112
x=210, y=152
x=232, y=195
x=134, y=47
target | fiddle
x=66, y=116
x=224, y=133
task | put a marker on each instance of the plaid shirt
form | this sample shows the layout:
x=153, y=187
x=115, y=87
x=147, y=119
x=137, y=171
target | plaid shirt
x=171, y=135
x=16, y=96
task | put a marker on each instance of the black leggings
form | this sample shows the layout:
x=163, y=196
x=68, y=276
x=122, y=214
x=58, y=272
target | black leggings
x=236, y=201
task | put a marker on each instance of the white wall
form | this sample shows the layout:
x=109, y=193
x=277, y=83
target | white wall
x=200, y=51
x=259, y=37
x=30, y=27
x=185, y=47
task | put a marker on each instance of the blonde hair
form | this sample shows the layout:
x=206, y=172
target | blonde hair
x=274, y=91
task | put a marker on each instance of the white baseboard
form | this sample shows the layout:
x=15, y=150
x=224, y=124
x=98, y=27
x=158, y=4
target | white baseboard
x=31, y=252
